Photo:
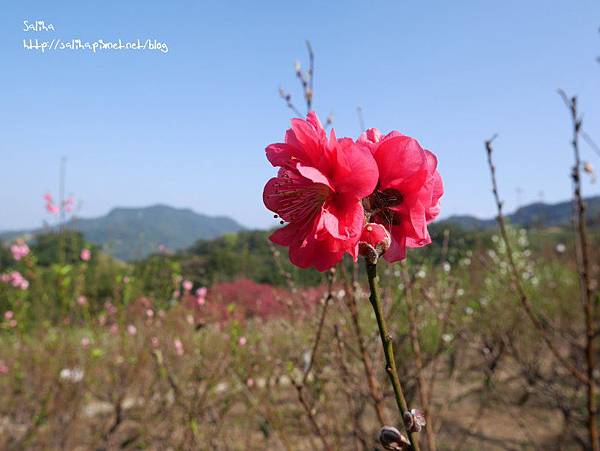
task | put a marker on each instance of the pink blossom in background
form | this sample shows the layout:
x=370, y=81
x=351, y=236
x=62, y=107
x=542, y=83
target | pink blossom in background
x=201, y=296
x=150, y=313
x=155, y=342
x=12, y=323
x=318, y=192
x=114, y=329
x=187, y=285
x=85, y=254
x=85, y=342
x=68, y=204
x=242, y=341
x=15, y=279
x=19, y=249
x=48, y=197
x=178, y=346
x=3, y=367
x=8, y=315
x=132, y=330
x=250, y=382
x=125, y=280
x=52, y=209
x=81, y=300
x=110, y=308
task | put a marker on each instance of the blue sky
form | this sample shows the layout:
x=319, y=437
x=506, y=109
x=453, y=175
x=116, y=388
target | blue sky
x=188, y=128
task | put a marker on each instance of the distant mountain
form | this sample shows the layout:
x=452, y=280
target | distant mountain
x=132, y=233
x=538, y=214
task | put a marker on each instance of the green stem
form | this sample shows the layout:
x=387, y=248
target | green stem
x=388, y=349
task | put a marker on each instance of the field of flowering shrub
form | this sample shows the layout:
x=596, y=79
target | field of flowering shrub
x=97, y=354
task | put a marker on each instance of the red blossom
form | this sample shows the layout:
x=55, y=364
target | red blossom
x=318, y=192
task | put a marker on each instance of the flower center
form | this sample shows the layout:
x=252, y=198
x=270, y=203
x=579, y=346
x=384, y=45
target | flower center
x=299, y=199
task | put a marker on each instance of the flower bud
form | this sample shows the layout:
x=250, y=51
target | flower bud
x=391, y=438
x=414, y=420
x=374, y=241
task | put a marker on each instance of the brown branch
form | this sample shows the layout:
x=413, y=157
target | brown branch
x=299, y=385
x=516, y=277
x=416, y=347
x=583, y=268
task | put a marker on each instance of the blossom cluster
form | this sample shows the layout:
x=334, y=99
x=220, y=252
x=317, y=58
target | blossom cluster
x=16, y=279
x=373, y=196
x=51, y=207
x=19, y=249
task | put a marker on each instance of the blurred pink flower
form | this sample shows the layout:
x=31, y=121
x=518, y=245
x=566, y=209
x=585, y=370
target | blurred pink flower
x=201, y=296
x=48, y=197
x=51, y=208
x=81, y=300
x=68, y=204
x=85, y=254
x=3, y=367
x=155, y=342
x=15, y=279
x=132, y=330
x=85, y=342
x=114, y=329
x=150, y=313
x=19, y=249
x=187, y=285
x=110, y=308
x=12, y=323
x=8, y=315
x=250, y=382
x=125, y=280
x=242, y=341
x=178, y=346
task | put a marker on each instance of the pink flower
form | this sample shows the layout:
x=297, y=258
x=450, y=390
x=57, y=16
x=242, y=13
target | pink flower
x=51, y=208
x=250, y=382
x=3, y=367
x=15, y=279
x=68, y=204
x=19, y=249
x=178, y=346
x=48, y=197
x=132, y=330
x=114, y=329
x=187, y=285
x=82, y=301
x=408, y=192
x=242, y=341
x=85, y=254
x=8, y=315
x=318, y=192
x=201, y=296
x=85, y=342
x=149, y=313
x=126, y=280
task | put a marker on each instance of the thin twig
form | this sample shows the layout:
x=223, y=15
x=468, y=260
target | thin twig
x=516, y=277
x=416, y=347
x=583, y=268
